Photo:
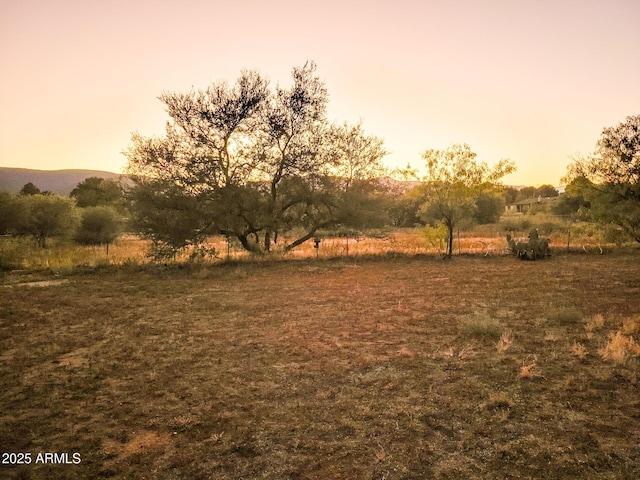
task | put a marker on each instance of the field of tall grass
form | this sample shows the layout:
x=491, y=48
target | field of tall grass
x=489, y=240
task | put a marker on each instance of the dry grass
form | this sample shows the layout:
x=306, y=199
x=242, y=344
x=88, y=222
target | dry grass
x=357, y=368
x=504, y=344
x=480, y=326
x=130, y=251
x=595, y=324
x=631, y=325
x=580, y=351
x=62, y=257
x=620, y=348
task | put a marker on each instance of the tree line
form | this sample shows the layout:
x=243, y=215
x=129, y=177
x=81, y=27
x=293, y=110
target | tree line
x=264, y=167
x=94, y=214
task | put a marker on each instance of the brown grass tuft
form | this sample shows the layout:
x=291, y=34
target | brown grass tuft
x=620, y=348
x=498, y=401
x=596, y=323
x=529, y=371
x=631, y=325
x=506, y=339
x=469, y=351
x=579, y=351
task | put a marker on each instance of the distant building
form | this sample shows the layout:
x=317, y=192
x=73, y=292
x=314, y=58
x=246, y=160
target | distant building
x=523, y=206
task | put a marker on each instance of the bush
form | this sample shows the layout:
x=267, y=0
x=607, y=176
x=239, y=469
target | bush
x=10, y=254
x=517, y=224
x=99, y=226
x=564, y=316
x=547, y=228
x=480, y=326
x=45, y=216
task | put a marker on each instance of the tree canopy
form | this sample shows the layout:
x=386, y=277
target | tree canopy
x=30, y=189
x=44, y=216
x=454, y=182
x=609, y=178
x=99, y=225
x=253, y=162
x=96, y=191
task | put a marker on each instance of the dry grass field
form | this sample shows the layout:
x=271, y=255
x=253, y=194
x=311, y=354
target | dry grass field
x=355, y=368
x=63, y=256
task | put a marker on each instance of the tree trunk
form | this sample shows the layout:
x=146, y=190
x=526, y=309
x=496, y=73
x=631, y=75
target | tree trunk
x=450, y=242
x=267, y=241
x=244, y=241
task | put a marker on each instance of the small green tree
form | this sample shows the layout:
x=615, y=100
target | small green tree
x=454, y=181
x=546, y=191
x=99, y=226
x=403, y=210
x=30, y=189
x=359, y=195
x=572, y=203
x=95, y=191
x=488, y=207
x=436, y=236
x=45, y=216
x=169, y=216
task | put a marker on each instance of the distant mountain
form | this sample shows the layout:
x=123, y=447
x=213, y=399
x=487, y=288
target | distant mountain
x=60, y=182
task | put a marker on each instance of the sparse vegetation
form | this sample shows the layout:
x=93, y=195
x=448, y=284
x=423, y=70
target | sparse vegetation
x=375, y=360
x=619, y=348
x=347, y=368
x=564, y=315
x=480, y=326
x=579, y=350
x=505, y=341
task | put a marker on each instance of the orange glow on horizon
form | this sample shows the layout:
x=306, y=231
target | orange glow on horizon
x=528, y=82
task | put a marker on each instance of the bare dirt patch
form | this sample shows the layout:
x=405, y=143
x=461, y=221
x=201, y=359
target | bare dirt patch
x=40, y=283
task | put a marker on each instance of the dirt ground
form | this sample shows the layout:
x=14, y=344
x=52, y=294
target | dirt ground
x=387, y=368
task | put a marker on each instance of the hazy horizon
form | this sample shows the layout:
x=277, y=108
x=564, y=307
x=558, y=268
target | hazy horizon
x=535, y=82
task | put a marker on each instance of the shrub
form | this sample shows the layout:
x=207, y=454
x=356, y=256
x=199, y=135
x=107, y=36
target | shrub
x=517, y=224
x=564, y=316
x=480, y=326
x=99, y=226
x=547, y=228
x=10, y=254
x=45, y=216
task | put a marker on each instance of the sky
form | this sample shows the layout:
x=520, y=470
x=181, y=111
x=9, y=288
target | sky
x=532, y=81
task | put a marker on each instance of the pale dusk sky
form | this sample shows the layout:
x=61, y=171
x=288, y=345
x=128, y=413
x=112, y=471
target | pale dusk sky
x=532, y=81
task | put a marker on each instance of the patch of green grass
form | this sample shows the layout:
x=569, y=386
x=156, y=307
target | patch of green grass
x=564, y=316
x=480, y=326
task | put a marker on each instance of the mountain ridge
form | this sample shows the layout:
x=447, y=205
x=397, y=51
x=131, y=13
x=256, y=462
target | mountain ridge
x=60, y=182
